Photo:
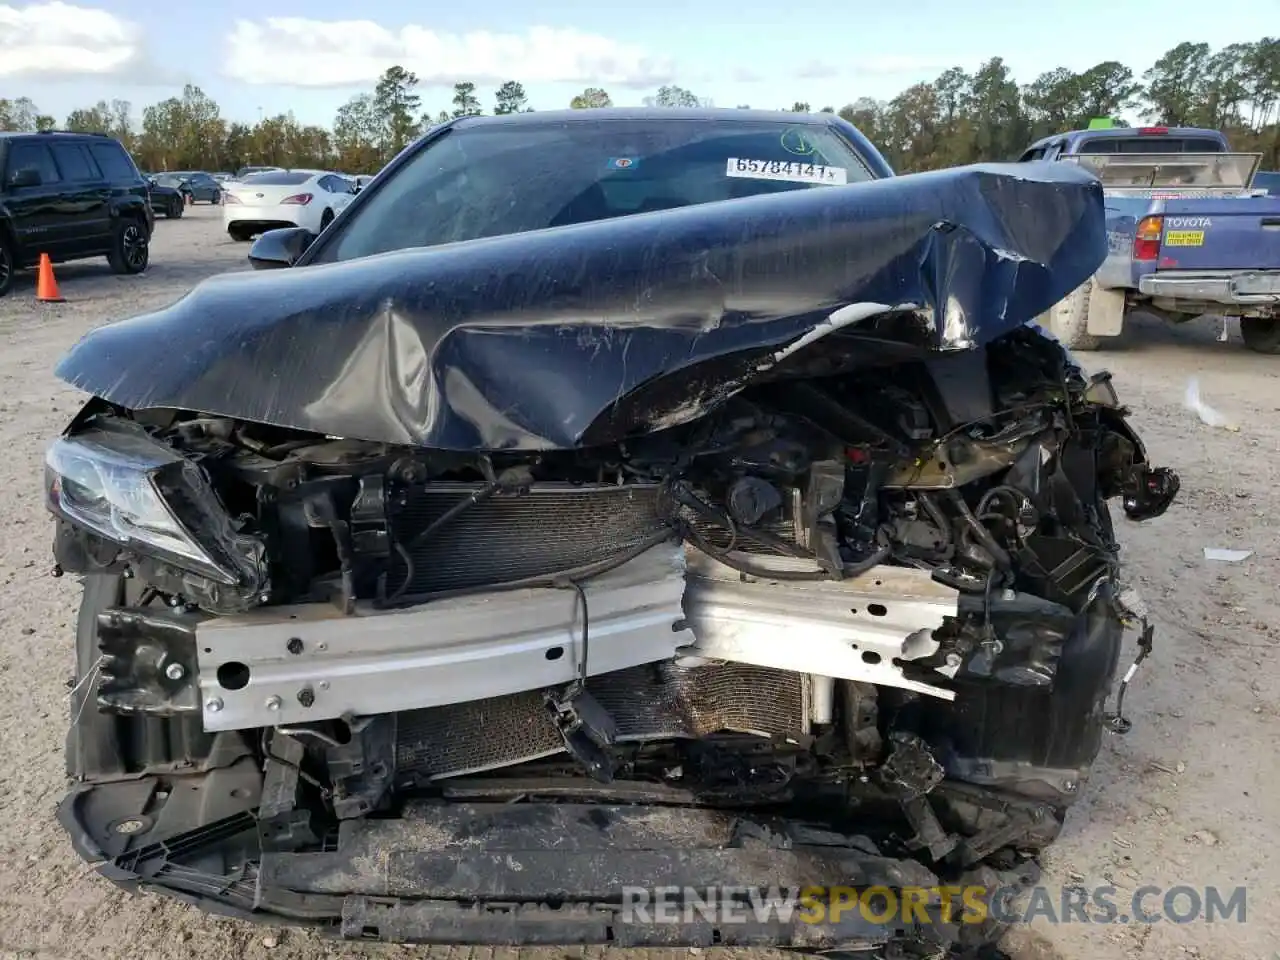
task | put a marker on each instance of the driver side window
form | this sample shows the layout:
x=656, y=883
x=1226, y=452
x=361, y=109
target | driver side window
x=32, y=156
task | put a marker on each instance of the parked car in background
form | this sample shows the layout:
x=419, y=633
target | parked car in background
x=166, y=200
x=283, y=198
x=222, y=177
x=72, y=196
x=195, y=185
x=360, y=180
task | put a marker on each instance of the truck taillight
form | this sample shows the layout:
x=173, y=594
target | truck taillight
x=1146, y=239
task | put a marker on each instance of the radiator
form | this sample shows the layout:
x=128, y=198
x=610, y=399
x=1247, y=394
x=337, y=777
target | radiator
x=551, y=528
x=654, y=702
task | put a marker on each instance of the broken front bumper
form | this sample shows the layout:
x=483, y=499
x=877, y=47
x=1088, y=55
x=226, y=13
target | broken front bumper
x=560, y=874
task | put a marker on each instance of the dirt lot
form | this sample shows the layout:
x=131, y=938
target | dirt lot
x=1188, y=797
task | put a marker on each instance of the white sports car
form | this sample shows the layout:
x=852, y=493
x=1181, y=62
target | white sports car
x=283, y=198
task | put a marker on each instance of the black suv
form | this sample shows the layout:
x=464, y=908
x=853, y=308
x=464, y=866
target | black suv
x=72, y=196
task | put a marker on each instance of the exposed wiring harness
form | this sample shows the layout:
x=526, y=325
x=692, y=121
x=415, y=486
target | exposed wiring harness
x=583, y=660
x=558, y=579
x=403, y=550
x=998, y=554
x=688, y=532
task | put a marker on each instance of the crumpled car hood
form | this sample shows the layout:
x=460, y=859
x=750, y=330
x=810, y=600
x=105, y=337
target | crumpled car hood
x=565, y=337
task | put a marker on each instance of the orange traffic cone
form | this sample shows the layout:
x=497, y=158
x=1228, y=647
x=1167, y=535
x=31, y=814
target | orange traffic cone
x=46, y=286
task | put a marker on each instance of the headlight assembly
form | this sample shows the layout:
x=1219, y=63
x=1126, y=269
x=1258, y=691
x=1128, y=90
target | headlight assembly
x=123, y=486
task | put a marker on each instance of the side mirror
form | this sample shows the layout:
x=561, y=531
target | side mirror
x=26, y=177
x=280, y=248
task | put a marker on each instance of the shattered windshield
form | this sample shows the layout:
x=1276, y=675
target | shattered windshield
x=492, y=180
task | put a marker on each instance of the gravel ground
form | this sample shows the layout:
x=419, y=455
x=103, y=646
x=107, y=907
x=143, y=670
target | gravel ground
x=1182, y=799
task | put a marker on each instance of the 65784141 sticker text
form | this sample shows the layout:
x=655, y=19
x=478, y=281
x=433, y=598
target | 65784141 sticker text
x=795, y=171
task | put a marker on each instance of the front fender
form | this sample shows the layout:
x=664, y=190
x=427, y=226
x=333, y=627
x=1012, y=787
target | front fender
x=135, y=207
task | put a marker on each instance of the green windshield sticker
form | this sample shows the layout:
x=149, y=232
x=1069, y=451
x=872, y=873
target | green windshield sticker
x=795, y=140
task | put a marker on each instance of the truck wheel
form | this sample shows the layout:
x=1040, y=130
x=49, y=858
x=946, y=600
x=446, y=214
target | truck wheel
x=1068, y=319
x=130, y=246
x=1261, y=334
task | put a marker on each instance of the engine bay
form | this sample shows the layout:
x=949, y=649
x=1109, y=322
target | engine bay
x=891, y=594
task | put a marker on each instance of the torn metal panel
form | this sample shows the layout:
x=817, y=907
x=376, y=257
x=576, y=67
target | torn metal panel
x=603, y=330
x=852, y=629
x=448, y=651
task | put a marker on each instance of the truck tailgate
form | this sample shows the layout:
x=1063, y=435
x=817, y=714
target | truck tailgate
x=1227, y=233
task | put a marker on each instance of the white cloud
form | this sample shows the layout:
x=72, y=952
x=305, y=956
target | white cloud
x=298, y=52
x=901, y=63
x=61, y=40
x=816, y=70
x=890, y=65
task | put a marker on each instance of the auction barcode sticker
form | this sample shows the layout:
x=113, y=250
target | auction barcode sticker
x=795, y=171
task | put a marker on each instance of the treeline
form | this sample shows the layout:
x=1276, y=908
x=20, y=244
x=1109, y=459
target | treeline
x=960, y=117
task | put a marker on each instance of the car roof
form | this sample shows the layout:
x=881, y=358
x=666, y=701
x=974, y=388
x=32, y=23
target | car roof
x=55, y=134
x=647, y=113
x=297, y=170
x=1109, y=133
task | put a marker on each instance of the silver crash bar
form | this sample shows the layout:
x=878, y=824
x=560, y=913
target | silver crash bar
x=309, y=662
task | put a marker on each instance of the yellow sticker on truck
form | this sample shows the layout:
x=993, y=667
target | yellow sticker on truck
x=1184, y=238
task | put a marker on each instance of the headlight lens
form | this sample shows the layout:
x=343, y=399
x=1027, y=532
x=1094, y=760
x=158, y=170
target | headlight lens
x=106, y=481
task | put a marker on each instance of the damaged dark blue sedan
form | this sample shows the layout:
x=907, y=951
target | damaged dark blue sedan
x=605, y=500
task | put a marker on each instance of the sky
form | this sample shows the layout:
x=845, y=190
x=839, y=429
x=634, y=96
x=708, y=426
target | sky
x=309, y=56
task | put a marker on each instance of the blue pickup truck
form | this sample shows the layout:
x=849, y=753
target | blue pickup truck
x=1187, y=233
